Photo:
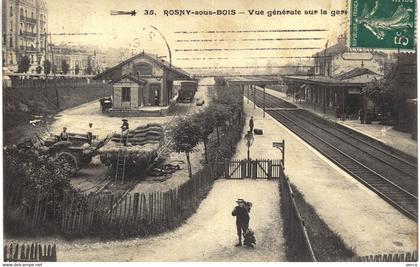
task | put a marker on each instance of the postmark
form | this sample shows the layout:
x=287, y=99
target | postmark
x=383, y=24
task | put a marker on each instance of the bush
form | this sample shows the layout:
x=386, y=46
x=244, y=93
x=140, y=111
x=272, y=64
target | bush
x=31, y=177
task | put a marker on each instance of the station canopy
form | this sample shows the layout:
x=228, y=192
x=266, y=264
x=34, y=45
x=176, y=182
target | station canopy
x=253, y=80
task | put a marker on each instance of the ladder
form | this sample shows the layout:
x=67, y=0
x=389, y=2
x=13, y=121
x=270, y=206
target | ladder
x=121, y=160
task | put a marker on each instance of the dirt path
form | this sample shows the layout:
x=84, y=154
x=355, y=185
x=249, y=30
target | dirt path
x=209, y=235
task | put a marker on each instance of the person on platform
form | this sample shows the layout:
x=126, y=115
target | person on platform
x=64, y=136
x=251, y=124
x=241, y=212
x=362, y=116
x=124, y=131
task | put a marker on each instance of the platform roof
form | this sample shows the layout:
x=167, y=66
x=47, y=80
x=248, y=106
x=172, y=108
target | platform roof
x=324, y=81
x=253, y=80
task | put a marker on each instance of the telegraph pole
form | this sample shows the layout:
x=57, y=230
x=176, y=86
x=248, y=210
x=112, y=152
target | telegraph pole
x=55, y=80
x=45, y=71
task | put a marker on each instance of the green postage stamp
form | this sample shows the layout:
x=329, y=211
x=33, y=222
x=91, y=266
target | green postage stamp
x=383, y=24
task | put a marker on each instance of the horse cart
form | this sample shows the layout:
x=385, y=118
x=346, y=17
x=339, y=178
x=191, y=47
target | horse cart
x=75, y=153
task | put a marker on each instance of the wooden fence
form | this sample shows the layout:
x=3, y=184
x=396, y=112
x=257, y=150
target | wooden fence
x=299, y=245
x=32, y=253
x=109, y=213
x=134, y=213
x=396, y=257
x=254, y=169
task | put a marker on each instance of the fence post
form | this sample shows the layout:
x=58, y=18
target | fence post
x=110, y=209
x=254, y=168
x=283, y=152
x=136, y=205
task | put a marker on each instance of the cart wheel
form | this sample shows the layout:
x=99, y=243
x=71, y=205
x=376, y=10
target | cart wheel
x=68, y=161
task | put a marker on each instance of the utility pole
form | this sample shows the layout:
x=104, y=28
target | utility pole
x=45, y=72
x=254, y=95
x=263, y=101
x=55, y=80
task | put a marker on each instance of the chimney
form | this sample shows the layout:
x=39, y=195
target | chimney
x=342, y=39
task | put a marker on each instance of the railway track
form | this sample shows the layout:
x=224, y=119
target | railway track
x=393, y=178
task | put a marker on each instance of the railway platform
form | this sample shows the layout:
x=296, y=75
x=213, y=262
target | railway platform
x=384, y=134
x=366, y=222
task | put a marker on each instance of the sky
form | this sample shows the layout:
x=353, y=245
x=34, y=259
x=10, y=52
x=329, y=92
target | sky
x=240, y=40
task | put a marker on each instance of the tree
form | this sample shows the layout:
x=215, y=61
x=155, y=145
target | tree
x=205, y=124
x=36, y=175
x=89, y=68
x=220, y=114
x=185, y=138
x=65, y=66
x=24, y=64
x=389, y=89
x=77, y=69
x=47, y=66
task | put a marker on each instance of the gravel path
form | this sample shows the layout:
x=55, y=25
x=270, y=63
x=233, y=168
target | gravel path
x=209, y=235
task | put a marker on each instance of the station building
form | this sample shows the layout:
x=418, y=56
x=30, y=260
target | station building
x=340, y=75
x=142, y=85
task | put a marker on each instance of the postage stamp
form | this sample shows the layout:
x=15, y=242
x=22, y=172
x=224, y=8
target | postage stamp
x=383, y=24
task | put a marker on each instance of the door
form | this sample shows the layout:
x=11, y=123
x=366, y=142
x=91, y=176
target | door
x=125, y=97
x=154, y=94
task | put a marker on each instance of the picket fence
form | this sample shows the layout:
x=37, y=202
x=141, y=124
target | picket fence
x=396, y=257
x=31, y=253
x=134, y=213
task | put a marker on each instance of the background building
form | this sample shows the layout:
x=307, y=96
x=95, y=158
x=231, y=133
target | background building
x=340, y=75
x=24, y=28
x=141, y=81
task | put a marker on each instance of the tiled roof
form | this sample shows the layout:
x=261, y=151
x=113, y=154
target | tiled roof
x=151, y=57
x=354, y=73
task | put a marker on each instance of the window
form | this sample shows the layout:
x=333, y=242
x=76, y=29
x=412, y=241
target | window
x=144, y=69
x=126, y=93
x=21, y=13
x=11, y=42
x=32, y=14
x=11, y=11
x=4, y=39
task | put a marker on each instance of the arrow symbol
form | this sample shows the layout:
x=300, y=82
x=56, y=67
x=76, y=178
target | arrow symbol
x=117, y=12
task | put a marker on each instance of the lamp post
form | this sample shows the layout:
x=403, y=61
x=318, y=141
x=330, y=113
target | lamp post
x=249, y=140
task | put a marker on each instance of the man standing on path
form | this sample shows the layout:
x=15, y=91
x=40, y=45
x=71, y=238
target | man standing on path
x=242, y=219
x=251, y=124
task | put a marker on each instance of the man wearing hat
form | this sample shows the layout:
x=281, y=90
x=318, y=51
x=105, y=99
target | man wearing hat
x=242, y=219
x=90, y=133
x=64, y=136
x=124, y=131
